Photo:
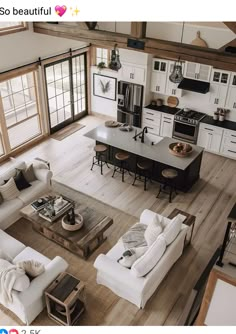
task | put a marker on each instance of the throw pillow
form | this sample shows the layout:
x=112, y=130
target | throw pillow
x=32, y=267
x=1, y=199
x=172, y=229
x=9, y=190
x=153, y=230
x=147, y=262
x=28, y=173
x=40, y=164
x=21, y=282
x=131, y=255
x=20, y=181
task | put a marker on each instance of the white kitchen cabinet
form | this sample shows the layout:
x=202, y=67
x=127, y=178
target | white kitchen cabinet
x=231, y=96
x=220, y=77
x=218, y=94
x=133, y=73
x=158, y=82
x=160, y=65
x=210, y=137
x=152, y=119
x=167, y=122
x=172, y=88
x=197, y=71
x=228, y=144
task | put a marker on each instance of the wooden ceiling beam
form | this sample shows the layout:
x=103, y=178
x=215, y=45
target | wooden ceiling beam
x=231, y=26
x=165, y=49
x=138, y=29
x=231, y=43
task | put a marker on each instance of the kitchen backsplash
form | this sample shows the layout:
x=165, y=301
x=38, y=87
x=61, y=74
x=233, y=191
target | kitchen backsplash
x=198, y=102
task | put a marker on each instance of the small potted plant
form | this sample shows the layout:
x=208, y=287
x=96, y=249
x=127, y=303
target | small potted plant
x=101, y=66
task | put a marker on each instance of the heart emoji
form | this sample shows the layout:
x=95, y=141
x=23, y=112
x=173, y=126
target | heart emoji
x=60, y=10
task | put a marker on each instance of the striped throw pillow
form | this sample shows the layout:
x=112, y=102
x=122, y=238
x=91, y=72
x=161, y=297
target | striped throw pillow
x=9, y=190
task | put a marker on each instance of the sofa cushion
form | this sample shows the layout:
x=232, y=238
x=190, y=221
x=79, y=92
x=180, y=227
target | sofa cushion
x=29, y=253
x=28, y=195
x=145, y=263
x=131, y=255
x=9, y=190
x=10, y=245
x=4, y=256
x=22, y=282
x=28, y=173
x=11, y=171
x=172, y=229
x=20, y=181
x=154, y=229
x=39, y=165
x=7, y=208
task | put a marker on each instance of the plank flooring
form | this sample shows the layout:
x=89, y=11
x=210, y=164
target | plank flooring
x=210, y=199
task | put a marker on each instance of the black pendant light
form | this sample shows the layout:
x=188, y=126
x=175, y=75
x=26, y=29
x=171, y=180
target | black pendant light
x=177, y=73
x=115, y=63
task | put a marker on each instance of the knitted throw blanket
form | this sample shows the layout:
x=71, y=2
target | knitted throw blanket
x=134, y=237
x=8, y=277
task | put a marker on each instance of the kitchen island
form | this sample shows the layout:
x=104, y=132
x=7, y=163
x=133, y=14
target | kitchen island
x=157, y=151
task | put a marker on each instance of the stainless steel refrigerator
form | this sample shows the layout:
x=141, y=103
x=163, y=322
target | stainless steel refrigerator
x=130, y=103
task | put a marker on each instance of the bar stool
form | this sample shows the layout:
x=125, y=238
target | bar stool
x=100, y=158
x=143, y=169
x=122, y=158
x=169, y=176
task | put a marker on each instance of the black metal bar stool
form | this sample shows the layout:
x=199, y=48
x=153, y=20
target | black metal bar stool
x=143, y=172
x=100, y=158
x=122, y=167
x=169, y=176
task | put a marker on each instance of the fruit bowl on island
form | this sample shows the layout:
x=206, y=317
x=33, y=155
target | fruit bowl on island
x=180, y=149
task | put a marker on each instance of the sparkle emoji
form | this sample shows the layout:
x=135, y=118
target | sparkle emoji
x=74, y=11
x=60, y=10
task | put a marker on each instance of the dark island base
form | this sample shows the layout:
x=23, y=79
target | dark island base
x=185, y=180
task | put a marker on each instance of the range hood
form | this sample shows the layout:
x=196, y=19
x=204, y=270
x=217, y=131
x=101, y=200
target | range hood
x=194, y=86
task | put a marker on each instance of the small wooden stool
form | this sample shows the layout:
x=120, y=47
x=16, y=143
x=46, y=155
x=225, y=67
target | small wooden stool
x=122, y=158
x=100, y=159
x=143, y=168
x=169, y=176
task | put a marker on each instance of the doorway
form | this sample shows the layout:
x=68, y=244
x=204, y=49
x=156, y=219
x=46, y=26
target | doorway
x=66, y=91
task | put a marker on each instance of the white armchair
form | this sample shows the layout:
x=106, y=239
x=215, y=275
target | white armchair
x=123, y=282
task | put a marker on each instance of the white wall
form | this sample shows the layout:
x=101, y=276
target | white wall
x=215, y=36
x=26, y=46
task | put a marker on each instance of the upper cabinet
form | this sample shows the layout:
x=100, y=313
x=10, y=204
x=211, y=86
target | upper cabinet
x=133, y=73
x=197, y=71
x=231, y=97
x=159, y=75
x=219, y=87
x=160, y=65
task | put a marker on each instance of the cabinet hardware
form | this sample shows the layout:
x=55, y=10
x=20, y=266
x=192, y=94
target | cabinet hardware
x=233, y=142
x=157, y=88
x=233, y=135
x=231, y=151
x=149, y=113
x=167, y=118
x=167, y=122
x=150, y=119
x=208, y=129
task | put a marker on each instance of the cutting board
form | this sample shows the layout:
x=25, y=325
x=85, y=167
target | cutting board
x=172, y=101
x=198, y=41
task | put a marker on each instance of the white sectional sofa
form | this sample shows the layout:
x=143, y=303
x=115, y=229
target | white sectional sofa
x=10, y=210
x=123, y=282
x=30, y=302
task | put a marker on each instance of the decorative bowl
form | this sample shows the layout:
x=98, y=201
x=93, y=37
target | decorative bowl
x=69, y=227
x=180, y=149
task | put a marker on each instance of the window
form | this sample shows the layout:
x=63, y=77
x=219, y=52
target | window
x=102, y=55
x=11, y=27
x=19, y=112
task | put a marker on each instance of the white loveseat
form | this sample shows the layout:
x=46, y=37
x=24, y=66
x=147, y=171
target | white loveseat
x=30, y=302
x=10, y=210
x=123, y=282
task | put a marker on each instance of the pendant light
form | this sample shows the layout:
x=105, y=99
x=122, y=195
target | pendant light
x=177, y=73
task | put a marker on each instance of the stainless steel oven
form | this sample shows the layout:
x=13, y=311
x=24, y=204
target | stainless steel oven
x=185, y=131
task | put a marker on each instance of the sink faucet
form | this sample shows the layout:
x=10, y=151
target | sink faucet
x=145, y=130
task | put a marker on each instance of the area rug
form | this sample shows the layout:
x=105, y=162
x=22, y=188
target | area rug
x=67, y=131
x=98, y=298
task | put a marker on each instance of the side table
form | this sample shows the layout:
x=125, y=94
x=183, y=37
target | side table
x=189, y=221
x=65, y=299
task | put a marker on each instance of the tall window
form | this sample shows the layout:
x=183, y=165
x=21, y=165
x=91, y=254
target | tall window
x=102, y=55
x=19, y=110
x=10, y=27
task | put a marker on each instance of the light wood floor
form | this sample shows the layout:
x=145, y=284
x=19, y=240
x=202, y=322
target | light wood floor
x=210, y=199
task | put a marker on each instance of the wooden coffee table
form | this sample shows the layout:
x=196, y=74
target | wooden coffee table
x=81, y=242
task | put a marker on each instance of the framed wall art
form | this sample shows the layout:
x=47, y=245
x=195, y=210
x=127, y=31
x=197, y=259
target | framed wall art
x=104, y=86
